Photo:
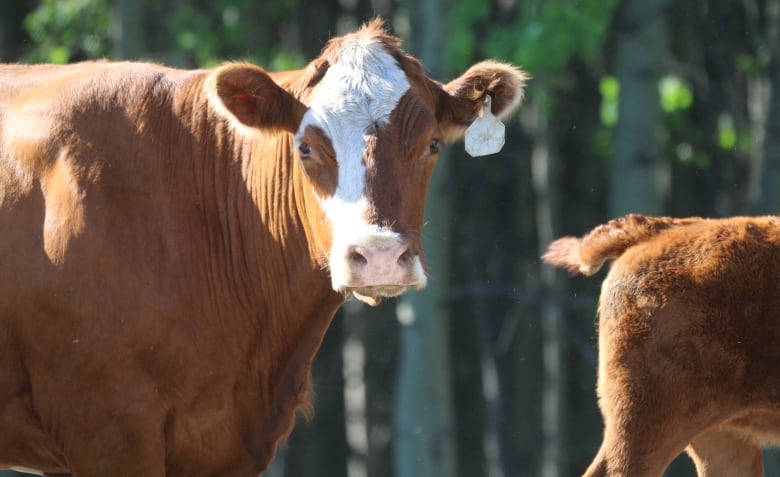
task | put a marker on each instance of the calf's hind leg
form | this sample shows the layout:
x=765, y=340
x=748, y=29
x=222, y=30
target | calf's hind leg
x=720, y=453
x=638, y=453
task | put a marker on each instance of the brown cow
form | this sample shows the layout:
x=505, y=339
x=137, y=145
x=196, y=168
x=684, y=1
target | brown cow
x=174, y=244
x=689, y=341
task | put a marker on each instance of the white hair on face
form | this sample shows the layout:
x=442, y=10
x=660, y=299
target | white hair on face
x=360, y=90
x=357, y=94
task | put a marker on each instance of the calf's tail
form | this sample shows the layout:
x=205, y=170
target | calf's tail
x=588, y=253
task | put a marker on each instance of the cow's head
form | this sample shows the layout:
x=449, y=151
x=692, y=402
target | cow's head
x=367, y=141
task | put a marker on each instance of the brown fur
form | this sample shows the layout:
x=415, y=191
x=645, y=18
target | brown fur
x=162, y=283
x=689, y=326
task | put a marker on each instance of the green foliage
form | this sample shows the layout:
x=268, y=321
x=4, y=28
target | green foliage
x=196, y=34
x=209, y=31
x=540, y=35
x=674, y=93
x=609, y=86
x=68, y=30
x=282, y=61
x=732, y=138
x=685, y=153
x=727, y=135
x=674, y=96
x=463, y=18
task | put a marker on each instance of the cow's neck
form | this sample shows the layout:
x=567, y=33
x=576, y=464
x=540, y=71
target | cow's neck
x=284, y=202
x=262, y=272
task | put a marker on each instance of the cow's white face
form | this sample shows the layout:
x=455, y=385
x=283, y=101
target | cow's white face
x=353, y=101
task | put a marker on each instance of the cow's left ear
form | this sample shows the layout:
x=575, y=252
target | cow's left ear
x=246, y=93
x=465, y=95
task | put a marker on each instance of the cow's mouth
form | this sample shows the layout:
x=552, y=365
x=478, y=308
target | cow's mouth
x=372, y=295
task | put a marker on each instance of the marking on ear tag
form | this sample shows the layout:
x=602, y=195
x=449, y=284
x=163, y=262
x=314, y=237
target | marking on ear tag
x=486, y=134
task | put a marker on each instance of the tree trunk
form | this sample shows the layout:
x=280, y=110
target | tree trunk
x=424, y=444
x=380, y=339
x=12, y=34
x=769, y=202
x=642, y=36
x=128, y=32
x=553, y=459
x=770, y=185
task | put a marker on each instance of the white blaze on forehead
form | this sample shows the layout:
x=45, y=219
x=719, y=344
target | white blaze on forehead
x=357, y=94
x=359, y=91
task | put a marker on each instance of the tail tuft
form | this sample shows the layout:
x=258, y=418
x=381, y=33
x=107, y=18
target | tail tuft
x=565, y=253
x=586, y=255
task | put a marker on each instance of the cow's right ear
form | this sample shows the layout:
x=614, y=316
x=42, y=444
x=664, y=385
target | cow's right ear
x=246, y=93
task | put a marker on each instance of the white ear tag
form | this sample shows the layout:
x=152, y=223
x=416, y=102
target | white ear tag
x=486, y=133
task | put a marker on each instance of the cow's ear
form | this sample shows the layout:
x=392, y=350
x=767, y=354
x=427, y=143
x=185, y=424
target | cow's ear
x=465, y=96
x=247, y=94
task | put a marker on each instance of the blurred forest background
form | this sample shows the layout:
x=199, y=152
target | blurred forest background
x=653, y=106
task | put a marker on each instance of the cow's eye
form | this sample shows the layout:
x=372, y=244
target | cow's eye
x=304, y=149
x=433, y=147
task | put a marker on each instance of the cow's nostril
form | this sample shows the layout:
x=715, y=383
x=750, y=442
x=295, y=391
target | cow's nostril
x=405, y=258
x=357, y=259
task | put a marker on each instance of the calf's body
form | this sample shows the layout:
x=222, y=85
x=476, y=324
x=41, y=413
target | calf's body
x=689, y=326
x=174, y=244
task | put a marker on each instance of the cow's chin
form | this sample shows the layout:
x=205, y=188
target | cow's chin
x=372, y=295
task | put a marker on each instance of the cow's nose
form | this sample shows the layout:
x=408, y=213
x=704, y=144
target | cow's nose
x=376, y=265
x=384, y=259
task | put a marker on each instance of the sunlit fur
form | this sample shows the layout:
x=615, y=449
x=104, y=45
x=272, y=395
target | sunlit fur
x=165, y=248
x=689, y=326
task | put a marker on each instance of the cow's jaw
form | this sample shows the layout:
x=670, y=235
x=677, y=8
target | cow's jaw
x=355, y=97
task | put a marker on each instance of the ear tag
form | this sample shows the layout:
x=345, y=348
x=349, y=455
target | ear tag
x=486, y=134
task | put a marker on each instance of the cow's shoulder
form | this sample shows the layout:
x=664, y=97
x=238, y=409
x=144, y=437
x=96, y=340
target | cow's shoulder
x=48, y=110
x=62, y=128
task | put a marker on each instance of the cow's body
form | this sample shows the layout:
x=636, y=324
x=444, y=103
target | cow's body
x=689, y=326
x=168, y=241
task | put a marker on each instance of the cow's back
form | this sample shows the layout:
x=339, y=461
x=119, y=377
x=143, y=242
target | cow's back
x=709, y=290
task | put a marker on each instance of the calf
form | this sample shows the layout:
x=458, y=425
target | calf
x=174, y=244
x=689, y=341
